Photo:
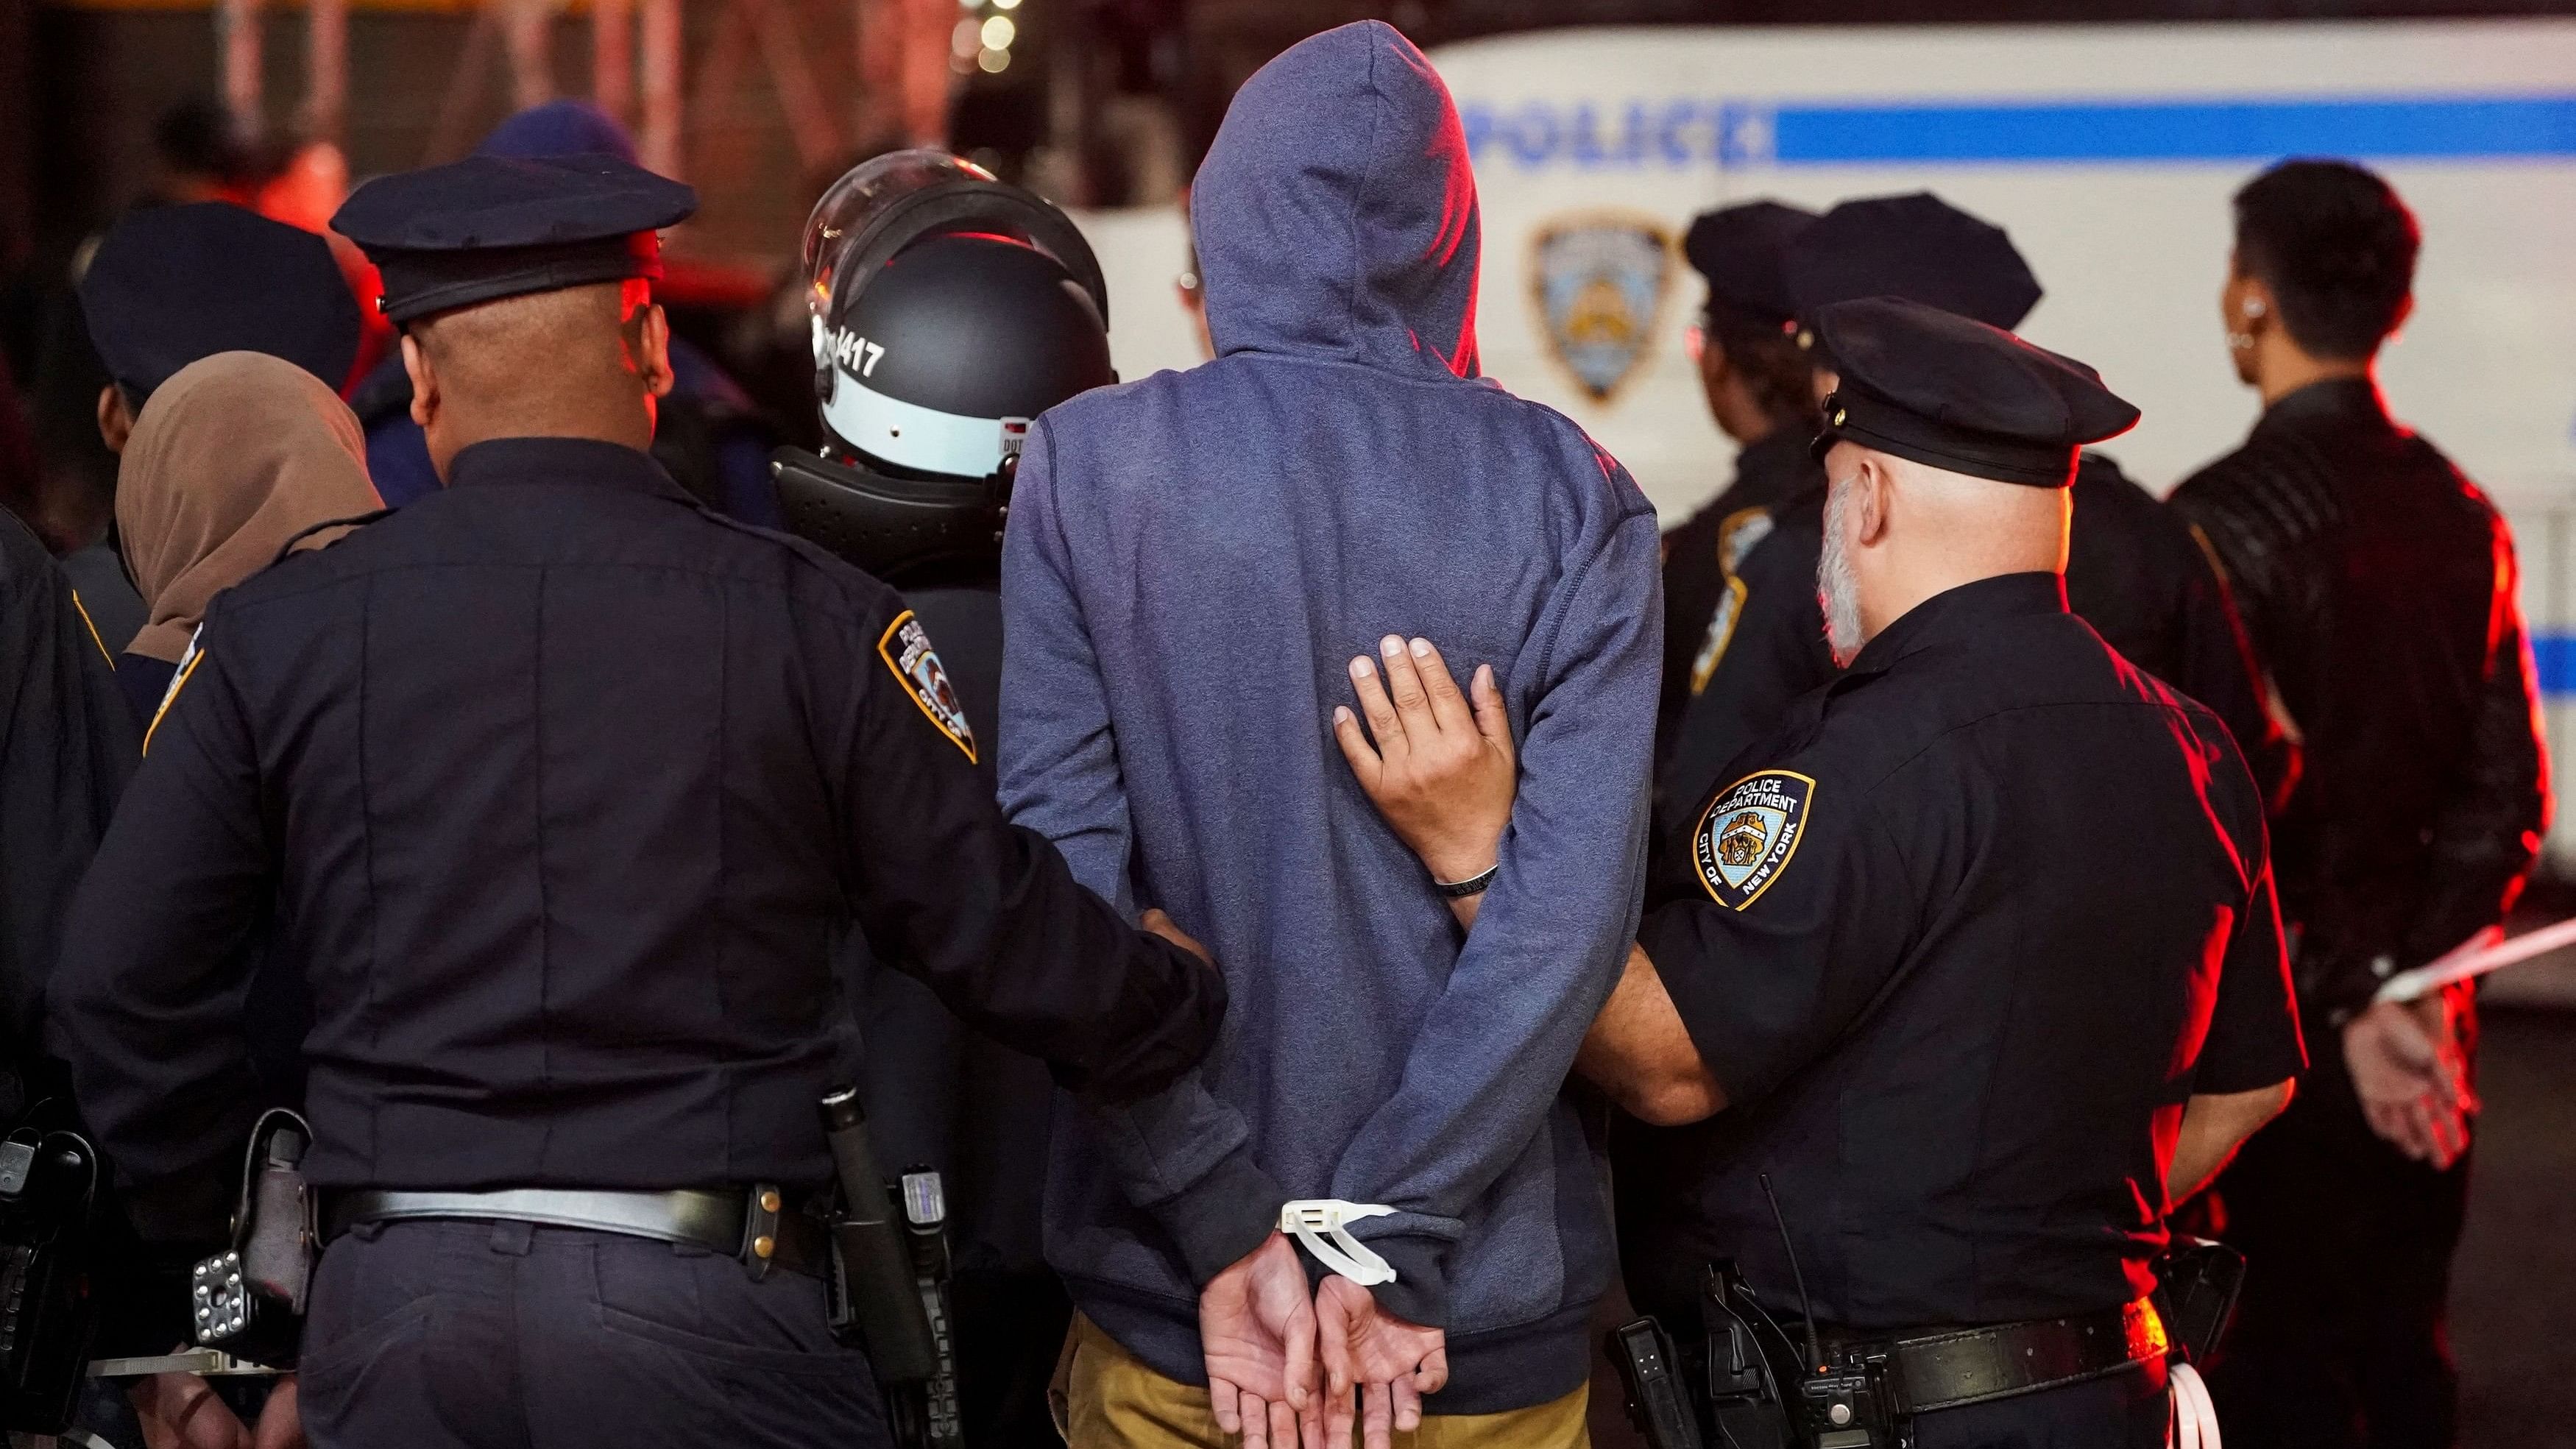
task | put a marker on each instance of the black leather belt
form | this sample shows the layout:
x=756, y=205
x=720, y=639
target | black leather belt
x=1951, y=1368
x=747, y=1223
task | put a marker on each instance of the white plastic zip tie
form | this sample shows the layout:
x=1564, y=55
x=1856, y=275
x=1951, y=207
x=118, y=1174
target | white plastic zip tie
x=1311, y=1218
x=2195, y=1415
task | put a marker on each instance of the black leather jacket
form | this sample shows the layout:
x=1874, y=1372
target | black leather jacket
x=2379, y=587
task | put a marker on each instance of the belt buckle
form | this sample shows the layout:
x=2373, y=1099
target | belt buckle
x=760, y=1214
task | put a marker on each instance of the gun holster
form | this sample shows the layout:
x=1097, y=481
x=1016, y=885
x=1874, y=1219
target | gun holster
x=48, y=1191
x=2197, y=1281
x=249, y=1300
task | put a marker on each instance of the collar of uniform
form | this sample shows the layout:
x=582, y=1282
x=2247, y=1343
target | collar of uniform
x=1967, y=609
x=560, y=460
x=2335, y=398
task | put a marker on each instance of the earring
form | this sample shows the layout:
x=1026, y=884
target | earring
x=2240, y=341
x=2253, y=306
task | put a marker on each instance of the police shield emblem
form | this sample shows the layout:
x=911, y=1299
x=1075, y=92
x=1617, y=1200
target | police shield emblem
x=905, y=647
x=1749, y=834
x=1599, y=282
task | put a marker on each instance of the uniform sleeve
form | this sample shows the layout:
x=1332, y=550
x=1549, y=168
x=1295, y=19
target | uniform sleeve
x=1491, y=1053
x=986, y=913
x=147, y=1002
x=2488, y=832
x=2253, y=1038
x=1769, y=964
x=1775, y=653
x=1183, y=1155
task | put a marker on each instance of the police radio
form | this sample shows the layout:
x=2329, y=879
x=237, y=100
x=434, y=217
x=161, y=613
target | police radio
x=249, y=1299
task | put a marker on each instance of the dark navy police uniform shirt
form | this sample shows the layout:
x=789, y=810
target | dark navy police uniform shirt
x=1986, y=913
x=563, y=788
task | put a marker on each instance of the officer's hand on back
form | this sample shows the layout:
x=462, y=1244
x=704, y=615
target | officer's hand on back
x=1442, y=775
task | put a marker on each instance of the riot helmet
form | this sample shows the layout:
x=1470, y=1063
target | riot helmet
x=948, y=309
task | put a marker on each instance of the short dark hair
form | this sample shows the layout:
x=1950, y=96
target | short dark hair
x=1774, y=369
x=2336, y=246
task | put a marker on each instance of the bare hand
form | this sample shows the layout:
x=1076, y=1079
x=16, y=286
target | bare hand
x=1257, y=1330
x=1389, y=1363
x=1163, y=926
x=1443, y=777
x=2411, y=1075
x=178, y=1411
x=281, y=1424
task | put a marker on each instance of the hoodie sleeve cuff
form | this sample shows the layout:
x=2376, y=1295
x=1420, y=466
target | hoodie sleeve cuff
x=1220, y=1219
x=1420, y=1292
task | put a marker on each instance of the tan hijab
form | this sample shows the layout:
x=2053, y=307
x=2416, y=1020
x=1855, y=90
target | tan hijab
x=233, y=456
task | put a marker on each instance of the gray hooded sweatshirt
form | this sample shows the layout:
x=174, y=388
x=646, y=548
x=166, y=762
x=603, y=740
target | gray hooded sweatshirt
x=1192, y=560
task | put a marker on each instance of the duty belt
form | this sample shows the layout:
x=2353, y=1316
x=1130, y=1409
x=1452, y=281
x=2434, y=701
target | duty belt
x=1950, y=1368
x=747, y=1223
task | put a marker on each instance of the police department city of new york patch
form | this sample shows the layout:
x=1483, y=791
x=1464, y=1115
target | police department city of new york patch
x=906, y=650
x=1599, y=280
x=1749, y=833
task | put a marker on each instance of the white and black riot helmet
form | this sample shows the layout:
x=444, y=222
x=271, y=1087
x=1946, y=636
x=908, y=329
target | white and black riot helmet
x=948, y=310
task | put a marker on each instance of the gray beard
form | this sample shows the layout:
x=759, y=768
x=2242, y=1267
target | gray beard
x=1837, y=588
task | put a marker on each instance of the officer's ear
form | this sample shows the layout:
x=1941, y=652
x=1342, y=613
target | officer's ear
x=648, y=337
x=424, y=380
x=1875, y=481
x=115, y=419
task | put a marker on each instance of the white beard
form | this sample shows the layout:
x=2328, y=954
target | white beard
x=1837, y=587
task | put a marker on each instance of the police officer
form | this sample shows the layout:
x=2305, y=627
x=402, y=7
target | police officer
x=1755, y=377
x=1976, y=961
x=948, y=295
x=2379, y=586
x=561, y=786
x=2133, y=570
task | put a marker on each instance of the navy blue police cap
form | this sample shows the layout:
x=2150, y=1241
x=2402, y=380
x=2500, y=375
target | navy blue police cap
x=1914, y=246
x=502, y=226
x=1958, y=395
x=170, y=285
x=1743, y=252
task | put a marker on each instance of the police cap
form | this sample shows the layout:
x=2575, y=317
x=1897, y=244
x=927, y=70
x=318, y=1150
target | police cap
x=170, y=285
x=1742, y=251
x=500, y=226
x=1961, y=396
x=1915, y=246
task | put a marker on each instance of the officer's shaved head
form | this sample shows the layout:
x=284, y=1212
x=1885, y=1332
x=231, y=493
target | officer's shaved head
x=1898, y=532
x=582, y=362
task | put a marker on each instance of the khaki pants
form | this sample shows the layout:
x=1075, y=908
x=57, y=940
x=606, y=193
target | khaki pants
x=1106, y=1398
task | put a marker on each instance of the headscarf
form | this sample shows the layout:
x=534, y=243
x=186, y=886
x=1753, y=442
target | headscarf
x=233, y=456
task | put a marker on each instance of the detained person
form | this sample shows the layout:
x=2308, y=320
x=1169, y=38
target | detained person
x=1191, y=559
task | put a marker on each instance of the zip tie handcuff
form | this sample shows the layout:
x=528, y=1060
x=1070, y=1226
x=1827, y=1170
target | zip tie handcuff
x=1312, y=1218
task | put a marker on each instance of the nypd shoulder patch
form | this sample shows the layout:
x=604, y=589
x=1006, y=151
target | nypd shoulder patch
x=1749, y=833
x=905, y=647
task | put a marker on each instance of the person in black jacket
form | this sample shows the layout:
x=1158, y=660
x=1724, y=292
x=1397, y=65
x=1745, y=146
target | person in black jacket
x=2379, y=587
x=2133, y=570
x=562, y=787
x=1756, y=379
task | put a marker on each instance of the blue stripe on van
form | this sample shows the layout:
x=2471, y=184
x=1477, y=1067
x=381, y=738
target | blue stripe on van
x=2429, y=127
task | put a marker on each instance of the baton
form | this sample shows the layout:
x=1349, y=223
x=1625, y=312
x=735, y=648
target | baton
x=2475, y=957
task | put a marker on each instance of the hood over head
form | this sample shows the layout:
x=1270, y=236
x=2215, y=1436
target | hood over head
x=1335, y=215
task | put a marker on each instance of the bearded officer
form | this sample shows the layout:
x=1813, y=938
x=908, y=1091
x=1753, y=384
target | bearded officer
x=1977, y=961
x=561, y=787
